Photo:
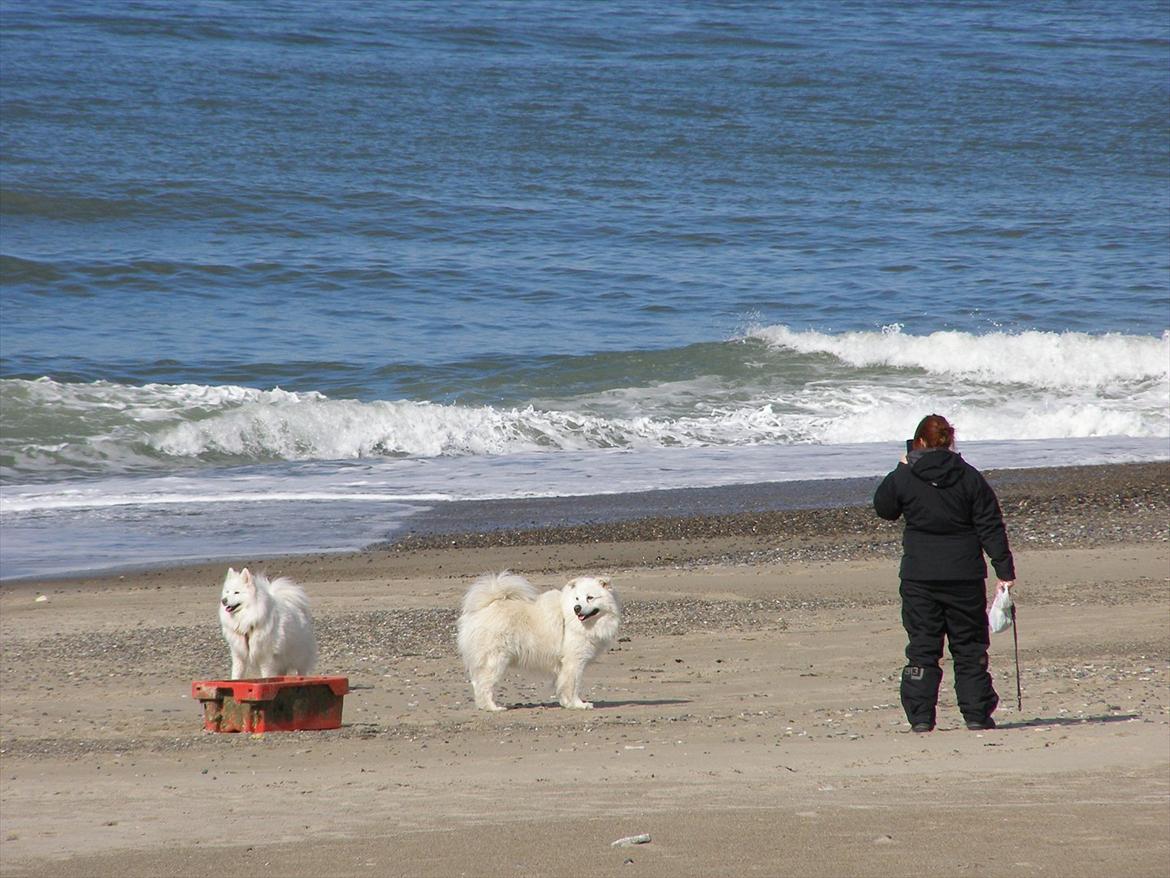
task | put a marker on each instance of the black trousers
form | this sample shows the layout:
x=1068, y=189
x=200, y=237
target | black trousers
x=957, y=611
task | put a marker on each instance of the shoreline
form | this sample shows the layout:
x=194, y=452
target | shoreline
x=832, y=509
x=465, y=517
x=805, y=520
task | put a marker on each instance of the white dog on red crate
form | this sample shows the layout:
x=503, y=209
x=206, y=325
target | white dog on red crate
x=267, y=626
x=507, y=622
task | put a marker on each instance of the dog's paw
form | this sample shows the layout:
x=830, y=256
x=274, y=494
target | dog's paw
x=579, y=705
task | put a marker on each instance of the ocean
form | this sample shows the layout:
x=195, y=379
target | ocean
x=276, y=277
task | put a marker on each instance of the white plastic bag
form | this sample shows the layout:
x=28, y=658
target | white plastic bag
x=999, y=614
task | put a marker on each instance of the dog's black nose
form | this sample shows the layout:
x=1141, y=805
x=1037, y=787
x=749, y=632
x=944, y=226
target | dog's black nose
x=577, y=609
x=223, y=601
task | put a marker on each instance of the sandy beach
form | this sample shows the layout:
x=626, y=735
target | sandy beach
x=748, y=721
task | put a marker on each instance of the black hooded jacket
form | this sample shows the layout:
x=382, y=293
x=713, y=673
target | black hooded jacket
x=952, y=517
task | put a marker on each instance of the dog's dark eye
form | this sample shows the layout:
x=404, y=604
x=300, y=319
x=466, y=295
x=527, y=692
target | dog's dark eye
x=589, y=599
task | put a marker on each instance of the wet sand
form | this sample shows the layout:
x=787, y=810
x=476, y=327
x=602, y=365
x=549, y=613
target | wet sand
x=747, y=721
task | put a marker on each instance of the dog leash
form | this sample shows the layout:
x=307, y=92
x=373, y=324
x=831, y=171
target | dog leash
x=1016, y=641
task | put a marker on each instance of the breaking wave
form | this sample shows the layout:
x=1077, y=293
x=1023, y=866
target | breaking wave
x=784, y=387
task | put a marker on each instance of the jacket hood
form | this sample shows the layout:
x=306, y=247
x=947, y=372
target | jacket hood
x=938, y=467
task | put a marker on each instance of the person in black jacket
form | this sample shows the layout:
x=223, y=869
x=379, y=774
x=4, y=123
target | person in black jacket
x=951, y=518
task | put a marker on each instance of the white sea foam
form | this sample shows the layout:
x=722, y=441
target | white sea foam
x=344, y=429
x=150, y=402
x=49, y=500
x=872, y=388
x=1036, y=359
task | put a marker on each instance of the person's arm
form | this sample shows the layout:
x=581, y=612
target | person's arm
x=993, y=537
x=885, y=499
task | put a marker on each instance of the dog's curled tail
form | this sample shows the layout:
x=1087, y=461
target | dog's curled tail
x=492, y=587
x=289, y=593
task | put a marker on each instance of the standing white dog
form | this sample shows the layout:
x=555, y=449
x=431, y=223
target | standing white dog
x=506, y=622
x=267, y=626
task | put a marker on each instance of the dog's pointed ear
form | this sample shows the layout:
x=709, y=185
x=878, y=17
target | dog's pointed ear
x=231, y=571
x=606, y=581
x=246, y=575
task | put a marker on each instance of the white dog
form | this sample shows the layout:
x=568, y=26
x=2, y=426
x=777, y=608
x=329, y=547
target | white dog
x=267, y=626
x=506, y=622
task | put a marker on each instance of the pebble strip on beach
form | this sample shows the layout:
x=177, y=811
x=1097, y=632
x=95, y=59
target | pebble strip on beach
x=1045, y=508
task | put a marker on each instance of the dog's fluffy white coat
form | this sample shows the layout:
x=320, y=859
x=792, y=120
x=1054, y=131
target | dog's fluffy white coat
x=507, y=622
x=267, y=626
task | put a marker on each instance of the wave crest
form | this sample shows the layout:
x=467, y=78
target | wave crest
x=807, y=388
x=1040, y=359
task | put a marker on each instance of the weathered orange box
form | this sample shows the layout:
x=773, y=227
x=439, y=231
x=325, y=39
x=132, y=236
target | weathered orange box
x=271, y=704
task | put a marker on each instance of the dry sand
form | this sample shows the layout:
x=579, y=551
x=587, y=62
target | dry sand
x=748, y=721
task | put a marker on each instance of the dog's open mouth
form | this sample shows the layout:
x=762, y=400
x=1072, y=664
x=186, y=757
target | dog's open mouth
x=231, y=608
x=587, y=614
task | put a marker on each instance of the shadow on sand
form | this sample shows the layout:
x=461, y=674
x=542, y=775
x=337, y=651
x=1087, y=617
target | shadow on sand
x=1068, y=721
x=609, y=705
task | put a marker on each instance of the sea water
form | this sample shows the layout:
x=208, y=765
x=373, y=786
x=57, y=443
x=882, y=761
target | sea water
x=275, y=277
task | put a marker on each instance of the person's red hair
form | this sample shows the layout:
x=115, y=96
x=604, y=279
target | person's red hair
x=934, y=432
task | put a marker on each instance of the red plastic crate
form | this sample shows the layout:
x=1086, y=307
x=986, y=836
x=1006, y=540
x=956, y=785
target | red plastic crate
x=271, y=704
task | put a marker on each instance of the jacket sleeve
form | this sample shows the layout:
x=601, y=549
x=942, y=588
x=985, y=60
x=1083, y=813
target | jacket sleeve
x=885, y=499
x=988, y=519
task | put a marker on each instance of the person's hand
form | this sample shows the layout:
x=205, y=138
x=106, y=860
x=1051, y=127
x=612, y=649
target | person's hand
x=1005, y=584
